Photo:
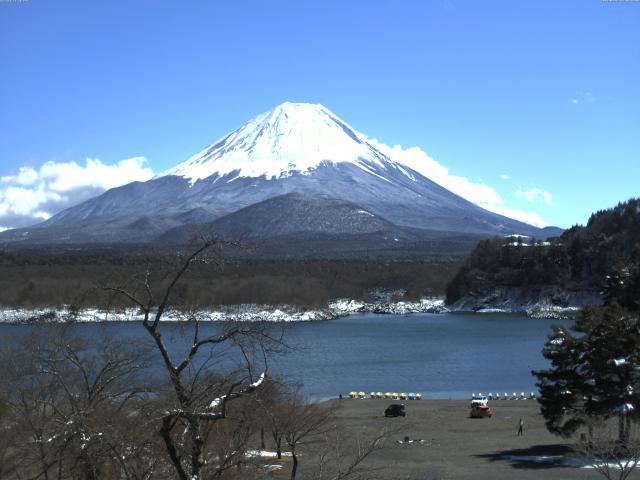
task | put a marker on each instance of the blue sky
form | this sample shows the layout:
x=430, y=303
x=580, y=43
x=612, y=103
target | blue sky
x=536, y=100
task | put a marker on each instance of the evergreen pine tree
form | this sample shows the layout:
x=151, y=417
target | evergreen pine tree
x=595, y=373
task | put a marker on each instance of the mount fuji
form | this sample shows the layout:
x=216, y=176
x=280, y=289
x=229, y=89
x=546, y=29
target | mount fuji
x=296, y=154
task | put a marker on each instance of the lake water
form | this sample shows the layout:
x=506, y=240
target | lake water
x=440, y=355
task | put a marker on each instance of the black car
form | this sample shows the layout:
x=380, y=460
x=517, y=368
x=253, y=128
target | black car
x=395, y=410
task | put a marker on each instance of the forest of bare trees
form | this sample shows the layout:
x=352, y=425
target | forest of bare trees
x=33, y=279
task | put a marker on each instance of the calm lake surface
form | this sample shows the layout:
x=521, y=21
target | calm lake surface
x=440, y=355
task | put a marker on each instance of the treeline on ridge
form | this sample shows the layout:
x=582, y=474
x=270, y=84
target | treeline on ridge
x=580, y=259
x=32, y=279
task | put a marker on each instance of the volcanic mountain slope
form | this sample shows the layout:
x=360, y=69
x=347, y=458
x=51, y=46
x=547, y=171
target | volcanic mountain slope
x=295, y=226
x=291, y=214
x=300, y=148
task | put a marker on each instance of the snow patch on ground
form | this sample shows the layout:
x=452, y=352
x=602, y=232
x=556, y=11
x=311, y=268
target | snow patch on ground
x=265, y=454
x=560, y=460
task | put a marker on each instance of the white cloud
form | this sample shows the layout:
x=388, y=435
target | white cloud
x=422, y=163
x=532, y=218
x=33, y=195
x=534, y=194
x=478, y=193
x=504, y=176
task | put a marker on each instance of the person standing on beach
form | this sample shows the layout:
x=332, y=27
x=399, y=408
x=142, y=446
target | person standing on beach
x=520, y=427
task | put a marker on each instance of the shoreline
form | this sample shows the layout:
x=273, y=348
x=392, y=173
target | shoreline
x=277, y=313
x=245, y=313
x=535, y=302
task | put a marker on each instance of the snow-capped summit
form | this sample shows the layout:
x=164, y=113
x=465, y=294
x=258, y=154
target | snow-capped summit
x=293, y=137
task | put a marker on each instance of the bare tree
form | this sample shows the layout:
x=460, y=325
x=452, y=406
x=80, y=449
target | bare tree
x=63, y=398
x=198, y=400
x=272, y=417
x=302, y=420
x=7, y=460
x=295, y=424
x=339, y=460
x=602, y=450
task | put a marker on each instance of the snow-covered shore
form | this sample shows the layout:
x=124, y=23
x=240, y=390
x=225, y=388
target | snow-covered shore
x=283, y=313
x=534, y=306
x=531, y=311
x=541, y=302
x=424, y=305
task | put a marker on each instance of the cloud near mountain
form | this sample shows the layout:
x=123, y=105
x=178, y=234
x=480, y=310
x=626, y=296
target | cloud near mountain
x=478, y=193
x=33, y=195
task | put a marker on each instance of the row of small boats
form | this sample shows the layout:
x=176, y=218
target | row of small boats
x=389, y=395
x=506, y=396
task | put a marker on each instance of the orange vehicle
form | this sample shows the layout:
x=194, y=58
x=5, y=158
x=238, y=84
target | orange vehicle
x=480, y=411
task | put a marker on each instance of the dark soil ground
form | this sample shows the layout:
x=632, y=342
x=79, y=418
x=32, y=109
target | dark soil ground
x=455, y=446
